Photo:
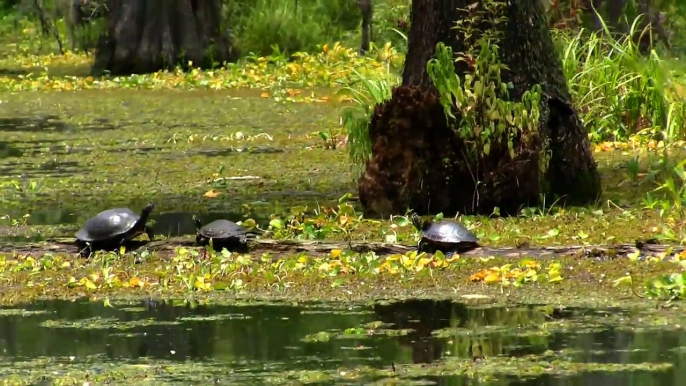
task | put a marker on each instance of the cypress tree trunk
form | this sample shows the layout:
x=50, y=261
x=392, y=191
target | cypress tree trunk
x=145, y=36
x=418, y=160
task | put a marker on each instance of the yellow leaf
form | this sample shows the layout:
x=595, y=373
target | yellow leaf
x=554, y=277
x=422, y=263
x=302, y=260
x=90, y=285
x=634, y=255
x=264, y=95
x=324, y=267
x=492, y=278
x=622, y=281
x=452, y=258
x=336, y=253
x=211, y=193
x=406, y=261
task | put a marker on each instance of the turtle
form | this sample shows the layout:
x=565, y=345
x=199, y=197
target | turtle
x=223, y=233
x=113, y=228
x=445, y=235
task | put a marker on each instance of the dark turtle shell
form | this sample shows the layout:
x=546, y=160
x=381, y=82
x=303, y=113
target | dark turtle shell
x=112, y=224
x=449, y=232
x=445, y=235
x=222, y=229
x=223, y=233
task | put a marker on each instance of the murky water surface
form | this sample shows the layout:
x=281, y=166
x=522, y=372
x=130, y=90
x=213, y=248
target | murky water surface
x=64, y=159
x=413, y=342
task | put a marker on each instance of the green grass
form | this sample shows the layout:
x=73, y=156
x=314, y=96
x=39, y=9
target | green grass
x=258, y=26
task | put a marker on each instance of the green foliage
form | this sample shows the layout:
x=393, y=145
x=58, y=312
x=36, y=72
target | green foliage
x=486, y=117
x=617, y=91
x=258, y=26
x=365, y=93
x=272, y=23
x=672, y=205
x=667, y=287
x=303, y=25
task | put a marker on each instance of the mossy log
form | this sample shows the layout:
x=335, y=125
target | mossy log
x=144, y=36
x=281, y=248
x=418, y=160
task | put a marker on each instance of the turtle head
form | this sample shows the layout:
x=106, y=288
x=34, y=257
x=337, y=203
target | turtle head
x=419, y=223
x=416, y=221
x=197, y=222
x=147, y=210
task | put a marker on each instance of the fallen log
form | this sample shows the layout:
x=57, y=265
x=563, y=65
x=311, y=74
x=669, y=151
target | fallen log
x=283, y=247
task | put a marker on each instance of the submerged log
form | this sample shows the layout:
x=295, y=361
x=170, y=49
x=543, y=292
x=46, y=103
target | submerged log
x=282, y=248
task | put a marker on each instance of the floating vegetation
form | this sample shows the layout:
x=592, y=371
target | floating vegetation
x=216, y=317
x=98, y=323
x=21, y=312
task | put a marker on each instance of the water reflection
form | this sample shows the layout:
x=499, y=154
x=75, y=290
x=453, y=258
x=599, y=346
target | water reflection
x=271, y=340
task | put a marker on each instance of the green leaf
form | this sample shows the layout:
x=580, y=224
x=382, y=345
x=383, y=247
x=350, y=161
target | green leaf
x=276, y=223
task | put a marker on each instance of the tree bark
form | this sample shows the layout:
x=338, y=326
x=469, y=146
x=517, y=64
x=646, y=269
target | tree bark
x=418, y=161
x=367, y=9
x=655, y=20
x=145, y=36
x=615, y=11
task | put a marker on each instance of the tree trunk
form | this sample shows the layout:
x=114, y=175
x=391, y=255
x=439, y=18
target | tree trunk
x=615, y=11
x=418, y=161
x=655, y=20
x=145, y=36
x=367, y=9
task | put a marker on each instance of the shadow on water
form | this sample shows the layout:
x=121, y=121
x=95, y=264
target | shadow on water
x=7, y=151
x=253, y=342
x=242, y=150
x=51, y=168
x=50, y=123
x=44, y=123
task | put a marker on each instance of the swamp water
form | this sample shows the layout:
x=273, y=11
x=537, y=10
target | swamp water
x=411, y=342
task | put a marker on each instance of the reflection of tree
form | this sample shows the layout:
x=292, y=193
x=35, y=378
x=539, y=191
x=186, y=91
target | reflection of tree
x=268, y=336
x=472, y=339
x=423, y=316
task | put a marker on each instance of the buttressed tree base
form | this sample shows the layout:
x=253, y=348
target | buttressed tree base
x=491, y=153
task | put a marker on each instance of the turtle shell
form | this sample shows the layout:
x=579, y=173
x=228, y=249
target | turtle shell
x=222, y=229
x=449, y=232
x=108, y=224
